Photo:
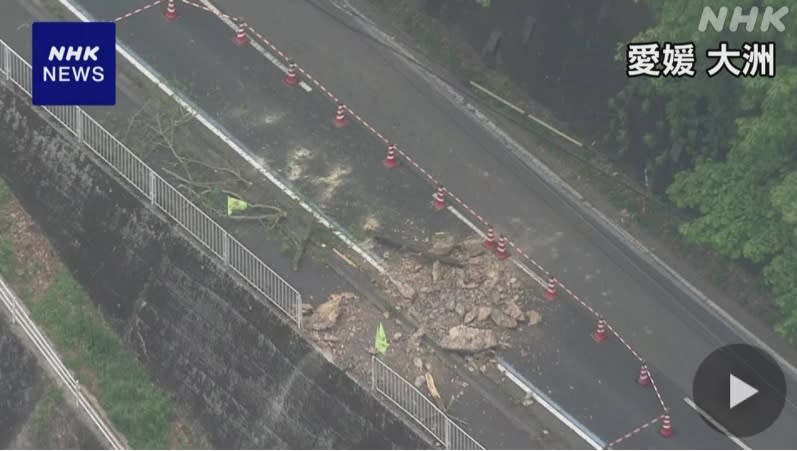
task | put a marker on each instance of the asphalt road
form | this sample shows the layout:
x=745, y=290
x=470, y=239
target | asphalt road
x=667, y=328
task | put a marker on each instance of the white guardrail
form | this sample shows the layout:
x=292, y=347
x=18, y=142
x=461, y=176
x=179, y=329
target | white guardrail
x=412, y=402
x=160, y=193
x=20, y=316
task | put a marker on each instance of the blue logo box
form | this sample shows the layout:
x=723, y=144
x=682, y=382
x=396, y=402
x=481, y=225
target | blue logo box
x=74, y=63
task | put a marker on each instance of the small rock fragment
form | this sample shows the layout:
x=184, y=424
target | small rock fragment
x=417, y=362
x=502, y=319
x=534, y=317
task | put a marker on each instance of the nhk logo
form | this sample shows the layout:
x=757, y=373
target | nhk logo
x=74, y=63
x=65, y=73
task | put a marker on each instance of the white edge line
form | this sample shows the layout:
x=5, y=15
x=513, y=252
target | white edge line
x=554, y=411
x=257, y=46
x=716, y=424
x=202, y=118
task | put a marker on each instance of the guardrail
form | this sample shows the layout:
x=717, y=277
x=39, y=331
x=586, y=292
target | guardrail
x=161, y=194
x=412, y=402
x=20, y=316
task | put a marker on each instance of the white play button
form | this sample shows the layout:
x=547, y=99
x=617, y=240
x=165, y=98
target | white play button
x=740, y=391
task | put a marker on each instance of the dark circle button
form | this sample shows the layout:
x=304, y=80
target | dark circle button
x=740, y=387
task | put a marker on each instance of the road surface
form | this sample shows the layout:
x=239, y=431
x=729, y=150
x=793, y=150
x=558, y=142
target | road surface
x=662, y=324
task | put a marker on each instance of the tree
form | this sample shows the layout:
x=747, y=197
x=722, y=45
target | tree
x=738, y=169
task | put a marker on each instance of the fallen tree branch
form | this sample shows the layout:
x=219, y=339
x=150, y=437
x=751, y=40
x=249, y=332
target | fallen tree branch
x=300, y=250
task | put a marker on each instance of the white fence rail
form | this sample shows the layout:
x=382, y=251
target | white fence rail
x=412, y=402
x=160, y=193
x=20, y=316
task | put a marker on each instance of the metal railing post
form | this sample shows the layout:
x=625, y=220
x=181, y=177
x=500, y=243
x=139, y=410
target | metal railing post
x=152, y=190
x=299, y=310
x=7, y=60
x=448, y=433
x=373, y=373
x=225, y=247
x=79, y=125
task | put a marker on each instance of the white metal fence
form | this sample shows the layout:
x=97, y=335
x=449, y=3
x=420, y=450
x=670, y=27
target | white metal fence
x=160, y=193
x=420, y=408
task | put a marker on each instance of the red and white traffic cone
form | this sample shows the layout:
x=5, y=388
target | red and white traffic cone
x=240, y=36
x=489, y=242
x=666, y=426
x=171, y=11
x=644, y=375
x=390, y=160
x=600, y=334
x=292, y=79
x=340, y=116
x=500, y=250
x=550, y=289
x=439, y=198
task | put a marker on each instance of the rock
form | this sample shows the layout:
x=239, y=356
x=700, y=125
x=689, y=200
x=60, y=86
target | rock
x=451, y=304
x=483, y=368
x=442, y=244
x=386, y=314
x=502, y=319
x=428, y=366
x=467, y=286
x=534, y=317
x=473, y=247
x=427, y=290
x=326, y=315
x=307, y=309
x=471, y=315
x=435, y=271
x=460, y=310
x=397, y=336
x=491, y=280
x=514, y=312
x=418, y=363
x=407, y=292
x=420, y=381
x=527, y=402
x=415, y=339
x=483, y=313
x=469, y=339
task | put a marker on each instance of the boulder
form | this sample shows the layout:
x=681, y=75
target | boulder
x=326, y=315
x=483, y=313
x=473, y=247
x=471, y=315
x=534, y=317
x=514, y=312
x=460, y=310
x=469, y=339
x=502, y=319
x=442, y=244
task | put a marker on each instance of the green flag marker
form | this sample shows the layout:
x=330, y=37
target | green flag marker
x=381, y=339
x=234, y=205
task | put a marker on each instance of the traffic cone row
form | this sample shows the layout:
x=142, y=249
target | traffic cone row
x=292, y=79
x=240, y=36
x=439, y=198
x=644, y=375
x=500, y=250
x=489, y=242
x=171, y=10
x=340, y=115
x=550, y=289
x=390, y=160
x=666, y=426
x=600, y=334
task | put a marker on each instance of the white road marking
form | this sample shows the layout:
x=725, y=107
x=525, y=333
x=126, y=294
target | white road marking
x=558, y=412
x=716, y=424
x=257, y=46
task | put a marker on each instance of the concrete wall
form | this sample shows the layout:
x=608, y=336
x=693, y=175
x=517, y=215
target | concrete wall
x=244, y=375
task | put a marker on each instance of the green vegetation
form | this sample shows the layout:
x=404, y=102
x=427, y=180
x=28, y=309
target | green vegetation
x=737, y=170
x=44, y=408
x=141, y=411
x=133, y=403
